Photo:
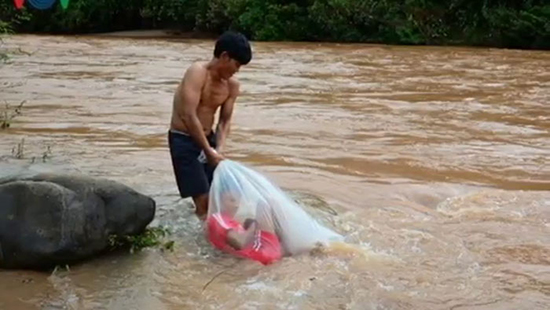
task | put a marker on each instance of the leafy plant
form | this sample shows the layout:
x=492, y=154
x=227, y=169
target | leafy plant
x=501, y=23
x=18, y=151
x=9, y=114
x=151, y=237
x=5, y=29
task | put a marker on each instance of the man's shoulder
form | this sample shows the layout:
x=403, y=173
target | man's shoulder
x=234, y=85
x=198, y=67
x=196, y=74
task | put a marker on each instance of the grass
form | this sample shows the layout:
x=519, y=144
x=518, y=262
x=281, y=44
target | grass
x=6, y=118
x=5, y=29
x=18, y=152
x=9, y=113
x=151, y=237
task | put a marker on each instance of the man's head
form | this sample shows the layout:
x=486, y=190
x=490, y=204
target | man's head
x=232, y=51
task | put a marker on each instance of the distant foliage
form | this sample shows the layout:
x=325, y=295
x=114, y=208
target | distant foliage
x=5, y=29
x=499, y=23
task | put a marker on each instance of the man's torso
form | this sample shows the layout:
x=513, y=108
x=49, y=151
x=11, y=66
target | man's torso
x=213, y=95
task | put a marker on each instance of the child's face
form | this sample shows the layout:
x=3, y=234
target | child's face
x=230, y=203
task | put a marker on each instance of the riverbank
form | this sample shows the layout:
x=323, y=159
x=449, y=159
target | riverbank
x=523, y=25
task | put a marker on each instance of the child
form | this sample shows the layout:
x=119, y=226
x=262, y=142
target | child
x=254, y=239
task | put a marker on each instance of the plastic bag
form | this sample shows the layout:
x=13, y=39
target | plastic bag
x=241, y=197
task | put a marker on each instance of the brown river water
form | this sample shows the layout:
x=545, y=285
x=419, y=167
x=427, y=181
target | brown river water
x=432, y=161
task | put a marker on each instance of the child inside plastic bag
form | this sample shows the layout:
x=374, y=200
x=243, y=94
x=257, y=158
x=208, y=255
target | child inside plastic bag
x=254, y=239
x=250, y=217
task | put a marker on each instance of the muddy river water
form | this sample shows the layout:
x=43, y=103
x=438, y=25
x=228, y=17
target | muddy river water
x=434, y=162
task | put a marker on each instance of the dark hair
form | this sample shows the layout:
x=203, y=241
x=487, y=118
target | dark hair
x=236, y=45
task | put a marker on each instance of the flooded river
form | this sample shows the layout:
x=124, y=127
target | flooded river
x=432, y=161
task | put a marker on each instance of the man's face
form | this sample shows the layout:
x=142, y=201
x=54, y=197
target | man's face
x=228, y=66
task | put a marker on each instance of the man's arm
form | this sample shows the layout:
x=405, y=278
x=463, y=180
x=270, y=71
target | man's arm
x=190, y=94
x=224, y=123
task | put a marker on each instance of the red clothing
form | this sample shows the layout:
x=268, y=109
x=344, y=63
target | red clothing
x=265, y=248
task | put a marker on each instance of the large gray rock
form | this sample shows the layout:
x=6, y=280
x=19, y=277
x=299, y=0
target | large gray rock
x=48, y=220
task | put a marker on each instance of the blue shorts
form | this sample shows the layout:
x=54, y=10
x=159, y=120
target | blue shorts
x=192, y=177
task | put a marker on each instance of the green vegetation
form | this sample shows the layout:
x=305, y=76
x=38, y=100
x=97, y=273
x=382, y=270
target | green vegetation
x=151, y=237
x=5, y=29
x=8, y=113
x=500, y=23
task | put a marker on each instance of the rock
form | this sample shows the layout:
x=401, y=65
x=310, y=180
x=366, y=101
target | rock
x=48, y=219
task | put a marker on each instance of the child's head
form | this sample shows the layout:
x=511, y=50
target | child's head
x=229, y=202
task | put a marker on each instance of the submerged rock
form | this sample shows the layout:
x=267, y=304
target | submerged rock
x=48, y=219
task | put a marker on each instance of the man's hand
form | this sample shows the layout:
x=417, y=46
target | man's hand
x=214, y=158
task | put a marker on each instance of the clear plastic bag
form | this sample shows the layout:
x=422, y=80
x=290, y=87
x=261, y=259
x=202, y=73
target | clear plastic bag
x=241, y=197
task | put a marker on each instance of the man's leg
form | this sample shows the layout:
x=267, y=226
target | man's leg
x=191, y=177
x=201, y=205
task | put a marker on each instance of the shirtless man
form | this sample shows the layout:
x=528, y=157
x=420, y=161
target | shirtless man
x=206, y=86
